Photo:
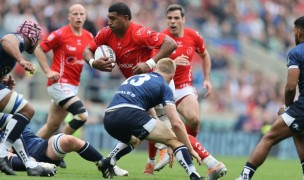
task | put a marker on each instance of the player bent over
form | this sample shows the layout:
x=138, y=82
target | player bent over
x=137, y=97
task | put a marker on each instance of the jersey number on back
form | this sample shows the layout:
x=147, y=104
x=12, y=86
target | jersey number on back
x=137, y=80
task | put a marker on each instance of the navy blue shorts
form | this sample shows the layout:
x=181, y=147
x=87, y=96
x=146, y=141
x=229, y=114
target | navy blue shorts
x=294, y=116
x=125, y=122
x=39, y=153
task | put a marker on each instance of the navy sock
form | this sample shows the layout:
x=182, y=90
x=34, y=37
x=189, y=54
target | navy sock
x=16, y=163
x=302, y=164
x=89, y=153
x=19, y=127
x=184, y=158
x=248, y=171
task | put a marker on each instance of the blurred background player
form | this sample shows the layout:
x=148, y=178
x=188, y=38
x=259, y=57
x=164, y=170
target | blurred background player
x=189, y=42
x=137, y=97
x=11, y=46
x=67, y=44
x=290, y=120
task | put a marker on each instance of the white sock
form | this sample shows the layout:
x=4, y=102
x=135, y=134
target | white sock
x=151, y=161
x=4, y=150
x=5, y=145
x=211, y=162
x=179, y=154
x=18, y=146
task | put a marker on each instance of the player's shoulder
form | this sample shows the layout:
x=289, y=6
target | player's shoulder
x=191, y=32
x=87, y=33
x=60, y=31
x=138, y=30
x=104, y=32
x=297, y=50
x=11, y=36
x=166, y=31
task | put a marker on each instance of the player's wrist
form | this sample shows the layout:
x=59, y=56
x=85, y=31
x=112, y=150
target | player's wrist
x=284, y=107
x=151, y=63
x=91, y=62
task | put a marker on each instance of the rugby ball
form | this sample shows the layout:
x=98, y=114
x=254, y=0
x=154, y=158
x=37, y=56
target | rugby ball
x=105, y=51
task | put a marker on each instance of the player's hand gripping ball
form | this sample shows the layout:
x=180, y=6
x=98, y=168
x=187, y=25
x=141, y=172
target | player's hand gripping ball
x=105, y=51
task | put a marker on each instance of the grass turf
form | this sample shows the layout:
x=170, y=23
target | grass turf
x=79, y=169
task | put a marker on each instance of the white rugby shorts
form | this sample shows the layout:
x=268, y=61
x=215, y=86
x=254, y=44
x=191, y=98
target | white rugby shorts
x=180, y=93
x=61, y=91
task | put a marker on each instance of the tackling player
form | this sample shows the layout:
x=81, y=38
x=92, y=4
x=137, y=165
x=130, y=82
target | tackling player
x=137, y=97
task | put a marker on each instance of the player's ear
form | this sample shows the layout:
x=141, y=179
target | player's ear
x=127, y=17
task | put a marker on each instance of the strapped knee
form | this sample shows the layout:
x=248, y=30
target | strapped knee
x=56, y=145
x=15, y=103
x=80, y=114
x=76, y=124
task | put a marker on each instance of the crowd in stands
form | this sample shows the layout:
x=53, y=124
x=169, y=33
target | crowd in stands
x=253, y=96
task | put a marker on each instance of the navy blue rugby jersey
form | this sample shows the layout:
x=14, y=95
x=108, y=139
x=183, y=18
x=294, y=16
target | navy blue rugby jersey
x=295, y=59
x=143, y=91
x=7, y=63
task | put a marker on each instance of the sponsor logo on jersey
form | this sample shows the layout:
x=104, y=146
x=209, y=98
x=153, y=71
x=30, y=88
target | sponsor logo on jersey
x=189, y=51
x=119, y=45
x=79, y=42
x=179, y=43
x=127, y=53
x=296, y=127
x=70, y=48
x=125, y=65
x=140, y=31
x=50, y=37
x=73, y=60
x=126, y=93
x=156, y=37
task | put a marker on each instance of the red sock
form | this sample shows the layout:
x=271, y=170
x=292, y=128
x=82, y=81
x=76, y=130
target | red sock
x=152, y=150
x=202, y=152
x=191, y=131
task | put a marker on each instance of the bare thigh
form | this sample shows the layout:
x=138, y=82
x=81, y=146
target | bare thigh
x=56, y=114
x=190, y=113
x=162, y=134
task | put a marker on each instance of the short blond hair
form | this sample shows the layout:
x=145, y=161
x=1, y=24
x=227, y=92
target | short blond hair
x=166, y=65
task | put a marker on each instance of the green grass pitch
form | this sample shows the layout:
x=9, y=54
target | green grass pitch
x=79, y=169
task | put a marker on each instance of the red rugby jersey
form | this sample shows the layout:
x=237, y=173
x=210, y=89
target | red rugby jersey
x=136, y=46
x=67, y=49
x=187, y=45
